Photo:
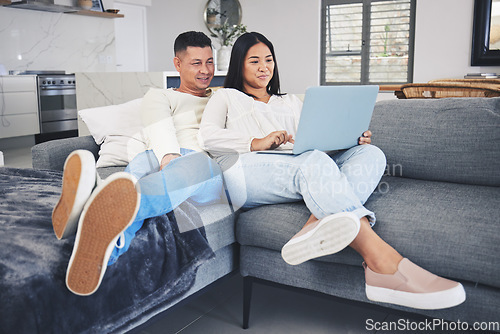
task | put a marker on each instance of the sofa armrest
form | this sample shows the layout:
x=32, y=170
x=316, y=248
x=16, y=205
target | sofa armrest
x=52, y=154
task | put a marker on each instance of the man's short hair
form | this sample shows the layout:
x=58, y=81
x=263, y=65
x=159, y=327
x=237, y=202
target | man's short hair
x=191, y=38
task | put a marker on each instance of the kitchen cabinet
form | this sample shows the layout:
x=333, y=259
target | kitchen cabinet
x=18, y=106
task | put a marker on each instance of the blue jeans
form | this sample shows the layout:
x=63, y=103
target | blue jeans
x=327, y=184
x=193, y=175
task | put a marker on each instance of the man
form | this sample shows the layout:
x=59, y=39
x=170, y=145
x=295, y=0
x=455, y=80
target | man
x=171, y=171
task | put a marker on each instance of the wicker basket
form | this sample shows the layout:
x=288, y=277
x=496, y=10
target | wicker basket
x=473, y=82
x=443, y=89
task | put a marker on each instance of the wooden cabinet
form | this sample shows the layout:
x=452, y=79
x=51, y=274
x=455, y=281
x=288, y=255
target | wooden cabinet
x=18, y=106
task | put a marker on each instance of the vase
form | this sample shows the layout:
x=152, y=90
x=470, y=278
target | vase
x=211, y=18
x=85, y=4
x=223, y=56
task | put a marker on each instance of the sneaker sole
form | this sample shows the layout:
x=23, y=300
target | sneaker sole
x=110, y=210
x=333, y=234
x=78, y=182
x=425, y=301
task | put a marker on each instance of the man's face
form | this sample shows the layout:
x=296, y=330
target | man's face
x=196, y=68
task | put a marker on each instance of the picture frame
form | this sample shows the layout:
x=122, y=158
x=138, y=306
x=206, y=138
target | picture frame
x=97, y=6
x=482, y=55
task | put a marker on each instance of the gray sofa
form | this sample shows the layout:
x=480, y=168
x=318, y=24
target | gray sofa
x=438, y=205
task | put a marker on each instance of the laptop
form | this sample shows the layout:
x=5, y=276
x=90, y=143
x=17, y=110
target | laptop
x=332, y=118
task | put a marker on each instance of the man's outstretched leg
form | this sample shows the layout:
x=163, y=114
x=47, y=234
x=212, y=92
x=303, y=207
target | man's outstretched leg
x=193, y=175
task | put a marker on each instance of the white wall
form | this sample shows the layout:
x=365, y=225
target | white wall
x=294, y=30
x=442, y=38
x=167, y=19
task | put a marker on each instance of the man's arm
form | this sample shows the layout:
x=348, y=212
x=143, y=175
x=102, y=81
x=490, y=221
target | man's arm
x=156, y=114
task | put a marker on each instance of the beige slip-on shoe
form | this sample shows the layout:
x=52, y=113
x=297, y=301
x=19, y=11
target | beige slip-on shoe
x=79, y=178
x=110, y=210
x=413, y=286
x=326, y=236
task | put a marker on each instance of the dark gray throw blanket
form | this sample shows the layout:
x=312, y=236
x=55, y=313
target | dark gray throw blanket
x=160, y=265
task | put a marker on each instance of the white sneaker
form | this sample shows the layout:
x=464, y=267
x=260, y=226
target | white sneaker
x=110, y=210
x=79, y=178
x=323, y=237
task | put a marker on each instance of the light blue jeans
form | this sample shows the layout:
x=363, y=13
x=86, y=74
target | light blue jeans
x=327, y=184
x=193, y=175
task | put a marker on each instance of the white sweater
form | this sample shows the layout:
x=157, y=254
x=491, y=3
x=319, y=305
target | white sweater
x=171, y=120
x=233, y=119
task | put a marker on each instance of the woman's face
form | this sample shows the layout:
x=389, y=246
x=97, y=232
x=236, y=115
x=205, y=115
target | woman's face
x=258, y=68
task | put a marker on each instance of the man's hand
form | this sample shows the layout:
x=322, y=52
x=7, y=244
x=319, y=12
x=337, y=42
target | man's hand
x=366, y=138
x=167, y=158
x=271, y=141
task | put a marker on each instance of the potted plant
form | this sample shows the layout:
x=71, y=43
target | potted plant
x=226, y=35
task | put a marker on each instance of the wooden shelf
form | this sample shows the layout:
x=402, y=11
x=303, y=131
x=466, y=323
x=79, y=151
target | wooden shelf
x=79, y=12
x=97, y=14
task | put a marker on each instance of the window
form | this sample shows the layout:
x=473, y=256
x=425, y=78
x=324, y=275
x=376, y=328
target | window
x=367, y=41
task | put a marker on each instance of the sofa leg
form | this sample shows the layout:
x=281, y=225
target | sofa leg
x=247, y=297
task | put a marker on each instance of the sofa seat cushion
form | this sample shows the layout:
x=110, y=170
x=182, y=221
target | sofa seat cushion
x=449, y=229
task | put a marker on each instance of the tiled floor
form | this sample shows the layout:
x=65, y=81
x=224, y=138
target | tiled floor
x=273, y=310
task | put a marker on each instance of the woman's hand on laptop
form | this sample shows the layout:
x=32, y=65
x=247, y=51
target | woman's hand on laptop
x=366, y=138
x=271, y=141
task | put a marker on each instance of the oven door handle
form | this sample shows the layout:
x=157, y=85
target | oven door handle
x=57, y=91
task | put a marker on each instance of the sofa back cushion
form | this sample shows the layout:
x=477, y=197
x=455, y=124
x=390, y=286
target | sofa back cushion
x=453, y=139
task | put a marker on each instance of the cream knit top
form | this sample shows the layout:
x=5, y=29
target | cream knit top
x=171, y=120
x=233, y=119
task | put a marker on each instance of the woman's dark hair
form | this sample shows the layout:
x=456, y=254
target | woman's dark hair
x=234, y=77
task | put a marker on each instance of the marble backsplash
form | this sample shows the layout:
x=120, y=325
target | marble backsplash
x=34, y=40
x=104, y=89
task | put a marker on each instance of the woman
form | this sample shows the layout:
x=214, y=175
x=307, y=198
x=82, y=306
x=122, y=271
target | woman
x=250, y=115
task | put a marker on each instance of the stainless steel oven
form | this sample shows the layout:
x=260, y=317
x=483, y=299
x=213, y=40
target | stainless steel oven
x=56, y=105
